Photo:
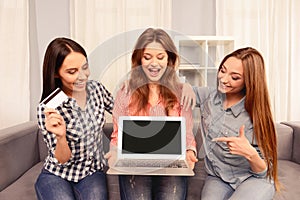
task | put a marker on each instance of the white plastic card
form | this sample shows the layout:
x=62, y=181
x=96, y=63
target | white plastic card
x=56, y=98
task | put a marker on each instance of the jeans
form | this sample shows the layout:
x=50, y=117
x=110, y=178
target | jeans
x=251, y=189
x=50, y=186
x=153, y=187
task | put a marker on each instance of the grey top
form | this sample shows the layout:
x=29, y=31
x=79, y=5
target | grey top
x=215, y=121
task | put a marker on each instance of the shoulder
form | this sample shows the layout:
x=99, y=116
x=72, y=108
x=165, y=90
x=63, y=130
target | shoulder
x=96, y=85
x=203, y=92
x=122, y=93
x=121, y=102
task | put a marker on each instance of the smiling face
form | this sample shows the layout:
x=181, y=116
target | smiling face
x=154, y=61
x=74, y=73
x=231, y=77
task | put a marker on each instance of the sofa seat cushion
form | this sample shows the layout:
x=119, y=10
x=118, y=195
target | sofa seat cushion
x=18, y=150
x=196, y=183
x=23, y=188
x=289, y=177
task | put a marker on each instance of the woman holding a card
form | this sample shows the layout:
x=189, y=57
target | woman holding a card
x=72, y=125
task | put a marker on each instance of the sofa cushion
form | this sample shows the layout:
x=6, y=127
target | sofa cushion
x=23, y=188
x=284, y=140
x=196, y=183
x=43, y=150
x=113, y=187
x=296, y=139
x=107, y=130
x=289, y=177
x=18, y=150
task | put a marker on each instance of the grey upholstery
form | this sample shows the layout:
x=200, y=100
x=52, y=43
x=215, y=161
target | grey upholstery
x=18, y=151
x=22, y=152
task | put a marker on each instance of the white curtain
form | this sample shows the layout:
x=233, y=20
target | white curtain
x=109, y=29
x=14, y=70
x=272, y=27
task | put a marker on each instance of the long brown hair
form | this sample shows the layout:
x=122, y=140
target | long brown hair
x=257, y=104
x=170, y=87
x=56, y=52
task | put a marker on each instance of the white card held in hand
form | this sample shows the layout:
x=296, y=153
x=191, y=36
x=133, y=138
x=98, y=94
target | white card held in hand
x=55, y=98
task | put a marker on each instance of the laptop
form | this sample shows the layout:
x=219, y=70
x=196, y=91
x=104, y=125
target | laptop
x=151, y=145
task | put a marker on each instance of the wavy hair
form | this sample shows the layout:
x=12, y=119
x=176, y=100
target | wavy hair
x=257, y=104
x=170, y=87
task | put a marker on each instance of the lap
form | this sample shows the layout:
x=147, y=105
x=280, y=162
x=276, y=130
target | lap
x=50, y=186
x=135, y=187
x=255, y=188
x=252, y=188
x=153, y=187
x=215, y=189
x=92, y=187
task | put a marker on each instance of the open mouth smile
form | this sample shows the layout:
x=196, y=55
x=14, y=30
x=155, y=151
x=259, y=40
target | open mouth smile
x=154, y=71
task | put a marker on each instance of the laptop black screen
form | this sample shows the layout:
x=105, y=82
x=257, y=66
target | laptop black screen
x=155, y=137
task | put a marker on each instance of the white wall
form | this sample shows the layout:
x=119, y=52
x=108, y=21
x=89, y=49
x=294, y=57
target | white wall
x=194, y=17
x=50, y=19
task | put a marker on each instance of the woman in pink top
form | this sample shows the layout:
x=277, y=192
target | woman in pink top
x=154, y=90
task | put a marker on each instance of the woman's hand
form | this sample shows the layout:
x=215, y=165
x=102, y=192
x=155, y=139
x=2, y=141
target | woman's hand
x=188, y=97
x=111, y=156
x=55, y=123
x=191, y=158
x=241, y=146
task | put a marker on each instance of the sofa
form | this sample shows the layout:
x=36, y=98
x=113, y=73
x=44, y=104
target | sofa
x=22, y=152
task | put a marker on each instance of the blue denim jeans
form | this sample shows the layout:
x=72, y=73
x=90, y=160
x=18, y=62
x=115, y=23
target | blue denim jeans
x=153, y=187
x=252, y=188
x=50, y=186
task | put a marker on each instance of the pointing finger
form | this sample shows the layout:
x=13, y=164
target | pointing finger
x=222, y=139
x=242, y=131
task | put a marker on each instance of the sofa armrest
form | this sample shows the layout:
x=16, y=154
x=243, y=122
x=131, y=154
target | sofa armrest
x=19, y=151
x=295, y=125
x=284, y=139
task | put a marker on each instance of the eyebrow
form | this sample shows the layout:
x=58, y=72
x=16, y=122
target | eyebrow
x=74, y=68
x=232, y=72
x=161, y=53
x=86, y=63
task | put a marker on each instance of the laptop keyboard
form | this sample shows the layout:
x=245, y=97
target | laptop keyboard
x=151, y=163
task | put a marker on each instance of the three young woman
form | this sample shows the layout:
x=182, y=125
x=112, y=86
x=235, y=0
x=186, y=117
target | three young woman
x=236, y=122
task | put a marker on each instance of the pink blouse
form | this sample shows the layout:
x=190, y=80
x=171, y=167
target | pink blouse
x=121, y=108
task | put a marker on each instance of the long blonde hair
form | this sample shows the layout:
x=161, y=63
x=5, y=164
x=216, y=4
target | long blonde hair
x=257, y=104
x=170, y=87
